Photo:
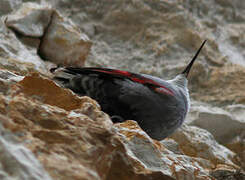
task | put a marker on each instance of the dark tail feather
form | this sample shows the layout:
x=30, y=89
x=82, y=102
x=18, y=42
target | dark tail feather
x=62, y=76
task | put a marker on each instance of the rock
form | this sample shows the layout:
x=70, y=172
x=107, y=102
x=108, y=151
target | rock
x=147, y=37
x=51, y=35
x=52, y=133
x=229, y=78
x=134, y=35
x=18, y=162
x=6, y=6
x=155, y=157
x=56, y=44
x=171, y=145
x=226, y=125
x=225, y=173
x=196, y=142
x=8, y=78
x=222, y=124
x=36, y=86
x=238, y=146
x=30, y=20
x=237, y=110
x=158, y=27
x=17, y=57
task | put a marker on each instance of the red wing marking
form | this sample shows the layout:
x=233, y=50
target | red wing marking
x=163, y=90
x=139, y=79
x=116, y=72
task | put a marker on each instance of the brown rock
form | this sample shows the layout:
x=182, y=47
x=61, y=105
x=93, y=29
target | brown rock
x=224, y=85
x=222, y=172
x=18, y=162
x=3, y=104
x=238, y=146
x=151, y=156
x=58, y=137
x=57, y=41
x=45, y=32
x=50, y=93
x=80, y=143
x=196, y=142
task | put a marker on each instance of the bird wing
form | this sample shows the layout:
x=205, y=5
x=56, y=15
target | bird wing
x=114, y=73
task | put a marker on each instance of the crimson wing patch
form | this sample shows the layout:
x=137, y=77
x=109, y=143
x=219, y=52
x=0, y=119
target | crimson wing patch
x=124, y=74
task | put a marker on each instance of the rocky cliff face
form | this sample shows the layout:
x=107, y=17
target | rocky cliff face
x=50, y=133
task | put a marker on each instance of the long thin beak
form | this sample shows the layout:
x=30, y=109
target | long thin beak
x=188, y=68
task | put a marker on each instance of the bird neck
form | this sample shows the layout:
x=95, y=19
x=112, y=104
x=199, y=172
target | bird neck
x=180, y=82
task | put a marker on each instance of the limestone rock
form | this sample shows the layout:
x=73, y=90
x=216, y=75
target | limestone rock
x=53, y=131
x=237, y=110
x=8, y=78
x=17, y=162
x=60, y=36
x=226, y=125
x=230, y=78
x=50, y=34
x=17, y=57
x=30, y=20
x=226, y=173
x=222, y=124
x=158, y=27
x=198, y=142
x=237, y=145
x=155, y=157
x=6, y=6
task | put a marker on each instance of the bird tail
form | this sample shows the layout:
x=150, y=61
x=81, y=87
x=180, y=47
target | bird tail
x=62, y=76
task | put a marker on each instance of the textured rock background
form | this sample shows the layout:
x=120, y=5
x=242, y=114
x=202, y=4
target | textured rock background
x=71, y=137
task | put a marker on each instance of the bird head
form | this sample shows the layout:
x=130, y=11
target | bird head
x=181, y=79
x=181, y=82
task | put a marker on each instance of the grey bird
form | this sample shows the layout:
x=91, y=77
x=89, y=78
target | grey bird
x=159, y=106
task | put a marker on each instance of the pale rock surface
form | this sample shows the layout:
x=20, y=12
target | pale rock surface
x=197, y=142
x=227, y=124
x=158, y=26
x=237, y=110
x=44, y=31
x=6, y=6
x=222, y=124
x=220, y=85
x=15, y=55
x=16, y=161
x=8, y=78
x=63, y=43
x=30, y=20
x=155, y=157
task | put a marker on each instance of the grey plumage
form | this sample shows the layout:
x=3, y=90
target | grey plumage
x=157, y=105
